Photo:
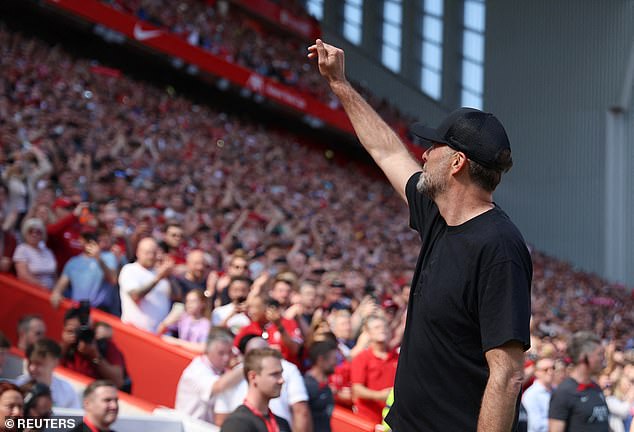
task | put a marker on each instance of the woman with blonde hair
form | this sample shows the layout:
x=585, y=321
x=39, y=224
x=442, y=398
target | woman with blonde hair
x=34, y=261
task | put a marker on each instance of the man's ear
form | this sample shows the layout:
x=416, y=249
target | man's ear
x=458, y=161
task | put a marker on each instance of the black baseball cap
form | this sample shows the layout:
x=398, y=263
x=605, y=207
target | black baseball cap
x=477, y=134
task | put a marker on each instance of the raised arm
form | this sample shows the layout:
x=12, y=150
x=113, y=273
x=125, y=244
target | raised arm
x=385, y=147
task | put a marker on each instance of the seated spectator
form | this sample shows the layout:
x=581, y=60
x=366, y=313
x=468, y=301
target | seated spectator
x=536, y=398
x=263, y=371
x=31, y=328
x=92, y=275
x=291, y=405
x=34, y=262
x=145, y=291
x=194, y=277
x=192, y=324
x=206, y=377
x=101, y=407
x=232, y=315
x=323, y=356
x=38, y=401
x=268, y=323
x=11, y=403
x=373, y=371
x=42, y=358
x=81, y=353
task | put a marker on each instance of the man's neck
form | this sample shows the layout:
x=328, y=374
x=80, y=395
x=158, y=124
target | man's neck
x=94, y=422
x=379, y=348
x=581, y=374
x=547, y=386
x=318, y=374
x=258, y=401
x=463, y=203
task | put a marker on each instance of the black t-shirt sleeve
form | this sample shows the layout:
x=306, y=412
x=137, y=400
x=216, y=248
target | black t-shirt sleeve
x=504, y=305
x=416, y=202
x=282, y=424
x=559, y=408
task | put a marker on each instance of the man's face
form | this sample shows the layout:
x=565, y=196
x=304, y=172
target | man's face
x=269, y=381
x=281, y=292
x=329, y=362
x=256, y=309
x=596, y=360
x=41, y=367
x=377, y=330
x=42, y=408
x=545, y=371
x=238, y=290
x=238, y=267
x=433, y=180
x=102, y=406
x=343, y=327
x=196, y=264
x=308, y=298
x=35, y=331
x=146, y=253
x=219, y=354
x=174, y=236
x=69, y=332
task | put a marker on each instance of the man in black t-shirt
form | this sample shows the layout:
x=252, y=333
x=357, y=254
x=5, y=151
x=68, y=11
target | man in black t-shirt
x=263, y=371
x=578, y=404
x=461, y=362
x=320, y=398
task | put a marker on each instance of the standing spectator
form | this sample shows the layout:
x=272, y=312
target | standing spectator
x=468, y=325
x=536, y=399
x=206, y=377
x=92, y=275
x=63, y=234
x=192, y=324
x=145, y=291
x=11, y=403
x=8, y=242
x=34, y=262
x=101, y=407
x=320, y=398
x=173, y=242
x=42, y=358
x=291, y=405
x=578, y=404
x=341, y=324
x=373, y=371
x=263, y=370
x=238, y=266
x=232, y=315
x=194, y=277
x=81, y=353
x=267, y=322
x=621, y=403
x=283, y=289
x=31, y=328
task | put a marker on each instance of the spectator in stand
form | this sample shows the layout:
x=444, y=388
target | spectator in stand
x=42, y=358
x=320, y=398
x=101, y=407
x=233, y=315
x=292, y=403
x=103, y=337
x=34, y=262
x=31, y=328
x=207, y=376
x=267, y=322
x=536, y=399
x=621, y=403
x=192, y=324
x=145, y=291
x=194, y=277
x=63, y=233
x=263, y=371
x=38, y=401
x=283, y=288
x=11, y=404
x=238, y=266
x=92, y=276
x=341, y=325
x=8, y=242
x=373, y=371
x=173, y=243
x=305, y=310
x=81, y=353
x=578, y=403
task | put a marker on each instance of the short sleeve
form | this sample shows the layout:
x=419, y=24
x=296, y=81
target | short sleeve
x=504, y=305
x=20, y=254
x=294, y=331
x=235, y=424
x=127, y=280
x=110, y=260
x=559, y=408
x=223, y=402
x=296, y=388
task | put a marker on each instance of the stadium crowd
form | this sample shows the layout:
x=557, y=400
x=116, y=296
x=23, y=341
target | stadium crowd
x=227, y=235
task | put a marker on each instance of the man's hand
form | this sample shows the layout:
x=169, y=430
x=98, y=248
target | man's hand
x=93, y=250
x=88, y=350
x=56, y=298
x=330, y=60
x=273, y=315
x=165, y=269
x=80, y=208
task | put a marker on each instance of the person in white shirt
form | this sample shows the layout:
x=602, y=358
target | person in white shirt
x=207, y=376
x=232, y=315
x=145, y=291
x=291, y=405
x=536, y=398
x=42, y=358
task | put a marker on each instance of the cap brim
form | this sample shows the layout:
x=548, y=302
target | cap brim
x=427, y=133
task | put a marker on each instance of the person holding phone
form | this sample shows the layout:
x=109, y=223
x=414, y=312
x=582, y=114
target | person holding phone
x=233, y=315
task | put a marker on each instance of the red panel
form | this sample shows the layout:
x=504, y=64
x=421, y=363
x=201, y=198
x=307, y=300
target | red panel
x=272, y=12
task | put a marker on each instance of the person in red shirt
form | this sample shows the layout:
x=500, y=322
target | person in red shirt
x=373, y=370
x=266, y=321
x=63, y=235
